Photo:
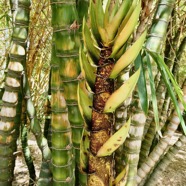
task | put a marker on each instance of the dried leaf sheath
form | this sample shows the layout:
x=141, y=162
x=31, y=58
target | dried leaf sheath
x=101, y=125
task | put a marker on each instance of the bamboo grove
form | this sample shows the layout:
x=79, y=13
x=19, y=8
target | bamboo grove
x=115, y=97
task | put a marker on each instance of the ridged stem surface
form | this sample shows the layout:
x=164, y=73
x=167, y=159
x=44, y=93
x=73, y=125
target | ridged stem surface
x=164, y=163
x=160, y=148
x=100, y=168
x=11, y=101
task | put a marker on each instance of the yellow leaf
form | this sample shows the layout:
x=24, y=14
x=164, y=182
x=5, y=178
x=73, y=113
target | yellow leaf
x=129, y=56
x=127, y=30
x=114, y=141
x=121, y=94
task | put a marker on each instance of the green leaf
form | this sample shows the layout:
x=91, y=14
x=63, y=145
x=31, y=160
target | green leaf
x=93, y=22
x=85, y=99
x=99, y=13
x=88, y=70
x=115, y=140
x=106, y=10
x=121, y=94
x=142, y=89
x=84, y=150
x=112, y=28
x=129, y=13
x=89, y=42
x=153, y=93
x=122, y=37
x=171, y=92
x=159, y=59
x=128, y=57
x=121, y=51
x=121, y=179
x=104, y=36
x=114, y=10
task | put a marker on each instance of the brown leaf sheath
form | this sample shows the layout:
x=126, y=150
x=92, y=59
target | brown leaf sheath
x=100, y=169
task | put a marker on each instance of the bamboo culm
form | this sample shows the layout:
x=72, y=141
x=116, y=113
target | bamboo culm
x=12, y=97
x=160, y=148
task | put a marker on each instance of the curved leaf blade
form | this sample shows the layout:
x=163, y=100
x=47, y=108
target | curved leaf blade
x=93, y=21
x=129, y=13
x=129, y=56
x=153, y=93
x=127, y=30
x=115, y=140
x=88, y=70
x=121, y=94
x=112, y=27
x=121, y=178
x=142, y=88
x=89, y=42
x=157, y=58
x=85, y=100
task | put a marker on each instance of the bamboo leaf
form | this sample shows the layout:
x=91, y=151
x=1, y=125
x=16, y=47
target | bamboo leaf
x=93, y=21
x=88, y=70
x=153, y=93
x=142, y=89
x=106, y=4
x=114, y=10
x=114, y=24
x=89, y=42
x=84, y=150
x=165, y=76
x=158, y=58
x=115, y=140
x=121, y=51
x=122, y=37
x=129, y=56
x=104, y=36
x=85, y=99
x=121, y=94
x=121, y=178
x=99, y=13
x=129, y=13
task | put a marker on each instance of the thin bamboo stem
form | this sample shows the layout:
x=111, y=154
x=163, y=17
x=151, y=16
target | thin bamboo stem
x=12, y=97
x=160, y=148
x=25, y=148
x=166, y=160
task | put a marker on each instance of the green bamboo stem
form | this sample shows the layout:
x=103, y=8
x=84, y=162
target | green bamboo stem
x=25, y=148
x=166, y=160
x=11, y=107
x=62, y=158
x=159, y=26
x=155, y=43
x=67, y=42
x=160, y=148
x=37, y=131
x=47, y=126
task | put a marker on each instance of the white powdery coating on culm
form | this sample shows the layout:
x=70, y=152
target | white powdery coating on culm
x=15, y=66
x=8, y=112
x=17, y=50
x=12, y=82
x=10, y=97
x=6, y=126
x=140, y=118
